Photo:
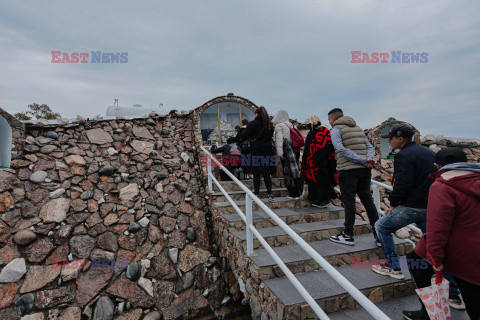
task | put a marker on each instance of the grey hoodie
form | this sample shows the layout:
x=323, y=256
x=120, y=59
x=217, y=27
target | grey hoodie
x=282, y=129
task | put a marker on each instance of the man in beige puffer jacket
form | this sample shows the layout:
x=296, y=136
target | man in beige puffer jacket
x=354, y=154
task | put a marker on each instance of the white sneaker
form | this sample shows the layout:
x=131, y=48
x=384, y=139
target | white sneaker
x=343, y=239
x=456, y=303
x=386, y=271
x=293, y=198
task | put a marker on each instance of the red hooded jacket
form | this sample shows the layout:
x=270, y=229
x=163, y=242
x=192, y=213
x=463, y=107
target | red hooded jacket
x=453, y=224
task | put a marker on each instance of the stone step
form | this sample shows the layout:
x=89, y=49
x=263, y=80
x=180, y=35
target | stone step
x=232, y=186
x=240, y=195
x=298, y=261
x=279, y=202
x=393, y=309
x=330, y=296
x=310, y=231
x=290, y=216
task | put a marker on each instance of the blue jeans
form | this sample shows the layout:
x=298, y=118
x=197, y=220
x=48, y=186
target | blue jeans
x=386, y=225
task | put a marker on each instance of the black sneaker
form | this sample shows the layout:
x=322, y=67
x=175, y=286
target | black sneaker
x=343, y=239
x=416, y=315
x=321, y=204
x=377, y=241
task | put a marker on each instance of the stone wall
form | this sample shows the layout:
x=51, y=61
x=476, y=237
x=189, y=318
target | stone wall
x=107, y=219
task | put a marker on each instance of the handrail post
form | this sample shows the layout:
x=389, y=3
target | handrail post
x=209, y=173
x=376, y=197
x=248, y=208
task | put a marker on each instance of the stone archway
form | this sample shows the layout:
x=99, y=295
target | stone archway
x=217, y=119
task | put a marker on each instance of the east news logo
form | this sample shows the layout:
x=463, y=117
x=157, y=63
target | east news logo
x=396, y=57
x=96, y=57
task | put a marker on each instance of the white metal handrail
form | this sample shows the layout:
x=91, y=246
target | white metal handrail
x=251, y=231
x=376, y=198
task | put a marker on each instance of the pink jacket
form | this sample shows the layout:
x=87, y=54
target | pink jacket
x=453, y=224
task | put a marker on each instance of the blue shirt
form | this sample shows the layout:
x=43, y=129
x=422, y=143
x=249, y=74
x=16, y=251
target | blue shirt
x=347, y=153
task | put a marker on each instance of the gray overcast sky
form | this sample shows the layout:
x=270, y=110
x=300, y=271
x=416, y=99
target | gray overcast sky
x=294, y=55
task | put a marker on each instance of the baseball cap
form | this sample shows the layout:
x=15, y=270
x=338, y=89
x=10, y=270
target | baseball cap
x=399, y=130
x=450, y=155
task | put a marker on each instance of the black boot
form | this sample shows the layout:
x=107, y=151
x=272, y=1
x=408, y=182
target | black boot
x=416, y=315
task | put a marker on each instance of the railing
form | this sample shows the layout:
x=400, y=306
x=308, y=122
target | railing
x=376, y=199
x=251, y=231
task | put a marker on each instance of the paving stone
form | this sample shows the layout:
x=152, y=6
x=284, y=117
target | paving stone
x=55, y=210
x=90, y=283
x=47, y=299
x=7, y=294
x=129, y=291
x=98, y=136
x=38, y=176
x=38, y=277
x=13, y=271
x=82, y=246
x=191, y=256
x=37, y=251
x=142, y=146
x=104, y=309
x=24, y=237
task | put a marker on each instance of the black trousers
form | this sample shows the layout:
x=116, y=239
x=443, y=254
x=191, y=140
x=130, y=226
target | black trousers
x=351, y=182
x=256, y=183
x=470, y=292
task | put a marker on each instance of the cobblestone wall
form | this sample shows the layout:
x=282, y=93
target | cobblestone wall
x=107, y=219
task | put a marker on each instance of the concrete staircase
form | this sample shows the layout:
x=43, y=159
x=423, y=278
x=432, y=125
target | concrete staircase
x=275, y=297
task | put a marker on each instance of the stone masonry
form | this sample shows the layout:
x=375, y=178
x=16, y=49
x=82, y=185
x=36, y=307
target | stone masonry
x=107, y=220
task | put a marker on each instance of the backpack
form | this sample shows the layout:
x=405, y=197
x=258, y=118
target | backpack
x=296, y=137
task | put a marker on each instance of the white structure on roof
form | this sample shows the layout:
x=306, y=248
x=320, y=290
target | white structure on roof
x=137, y=110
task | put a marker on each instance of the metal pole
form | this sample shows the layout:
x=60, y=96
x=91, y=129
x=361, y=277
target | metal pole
x=376, y=196
x=209, y=173
x=248, y=208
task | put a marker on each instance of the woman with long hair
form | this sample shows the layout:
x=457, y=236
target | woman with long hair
x=319, y=164
x=259, y=153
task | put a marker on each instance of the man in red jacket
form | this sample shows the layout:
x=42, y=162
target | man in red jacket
x=453, y=230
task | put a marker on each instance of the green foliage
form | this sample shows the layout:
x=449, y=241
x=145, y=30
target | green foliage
x=22, y=116
x=38, y=111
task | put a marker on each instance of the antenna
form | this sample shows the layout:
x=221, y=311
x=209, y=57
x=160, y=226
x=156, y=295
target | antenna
x=115, y=105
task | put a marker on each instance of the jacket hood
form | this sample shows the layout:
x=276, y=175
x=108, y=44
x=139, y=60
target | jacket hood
x=345, y=120
x=281, y=116
x=463, y=176
x=464, y=166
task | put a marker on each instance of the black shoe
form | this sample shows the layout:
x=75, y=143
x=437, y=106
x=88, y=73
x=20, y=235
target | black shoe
x=416, y=315
x=321, y=204
x=377, y=241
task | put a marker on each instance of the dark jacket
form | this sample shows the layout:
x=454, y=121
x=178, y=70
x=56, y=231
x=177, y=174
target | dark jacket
x=412, y=166
x=227, y=158
x=263, y=160
x=238, y=137
x=453, y=222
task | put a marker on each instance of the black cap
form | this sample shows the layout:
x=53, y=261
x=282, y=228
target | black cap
x=399, y=130
x=450, y=155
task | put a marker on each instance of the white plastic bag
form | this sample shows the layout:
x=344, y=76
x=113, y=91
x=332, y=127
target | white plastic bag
x=435, y=298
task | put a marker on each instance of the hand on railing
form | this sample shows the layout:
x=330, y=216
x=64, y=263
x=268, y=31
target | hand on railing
x=389, y=210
